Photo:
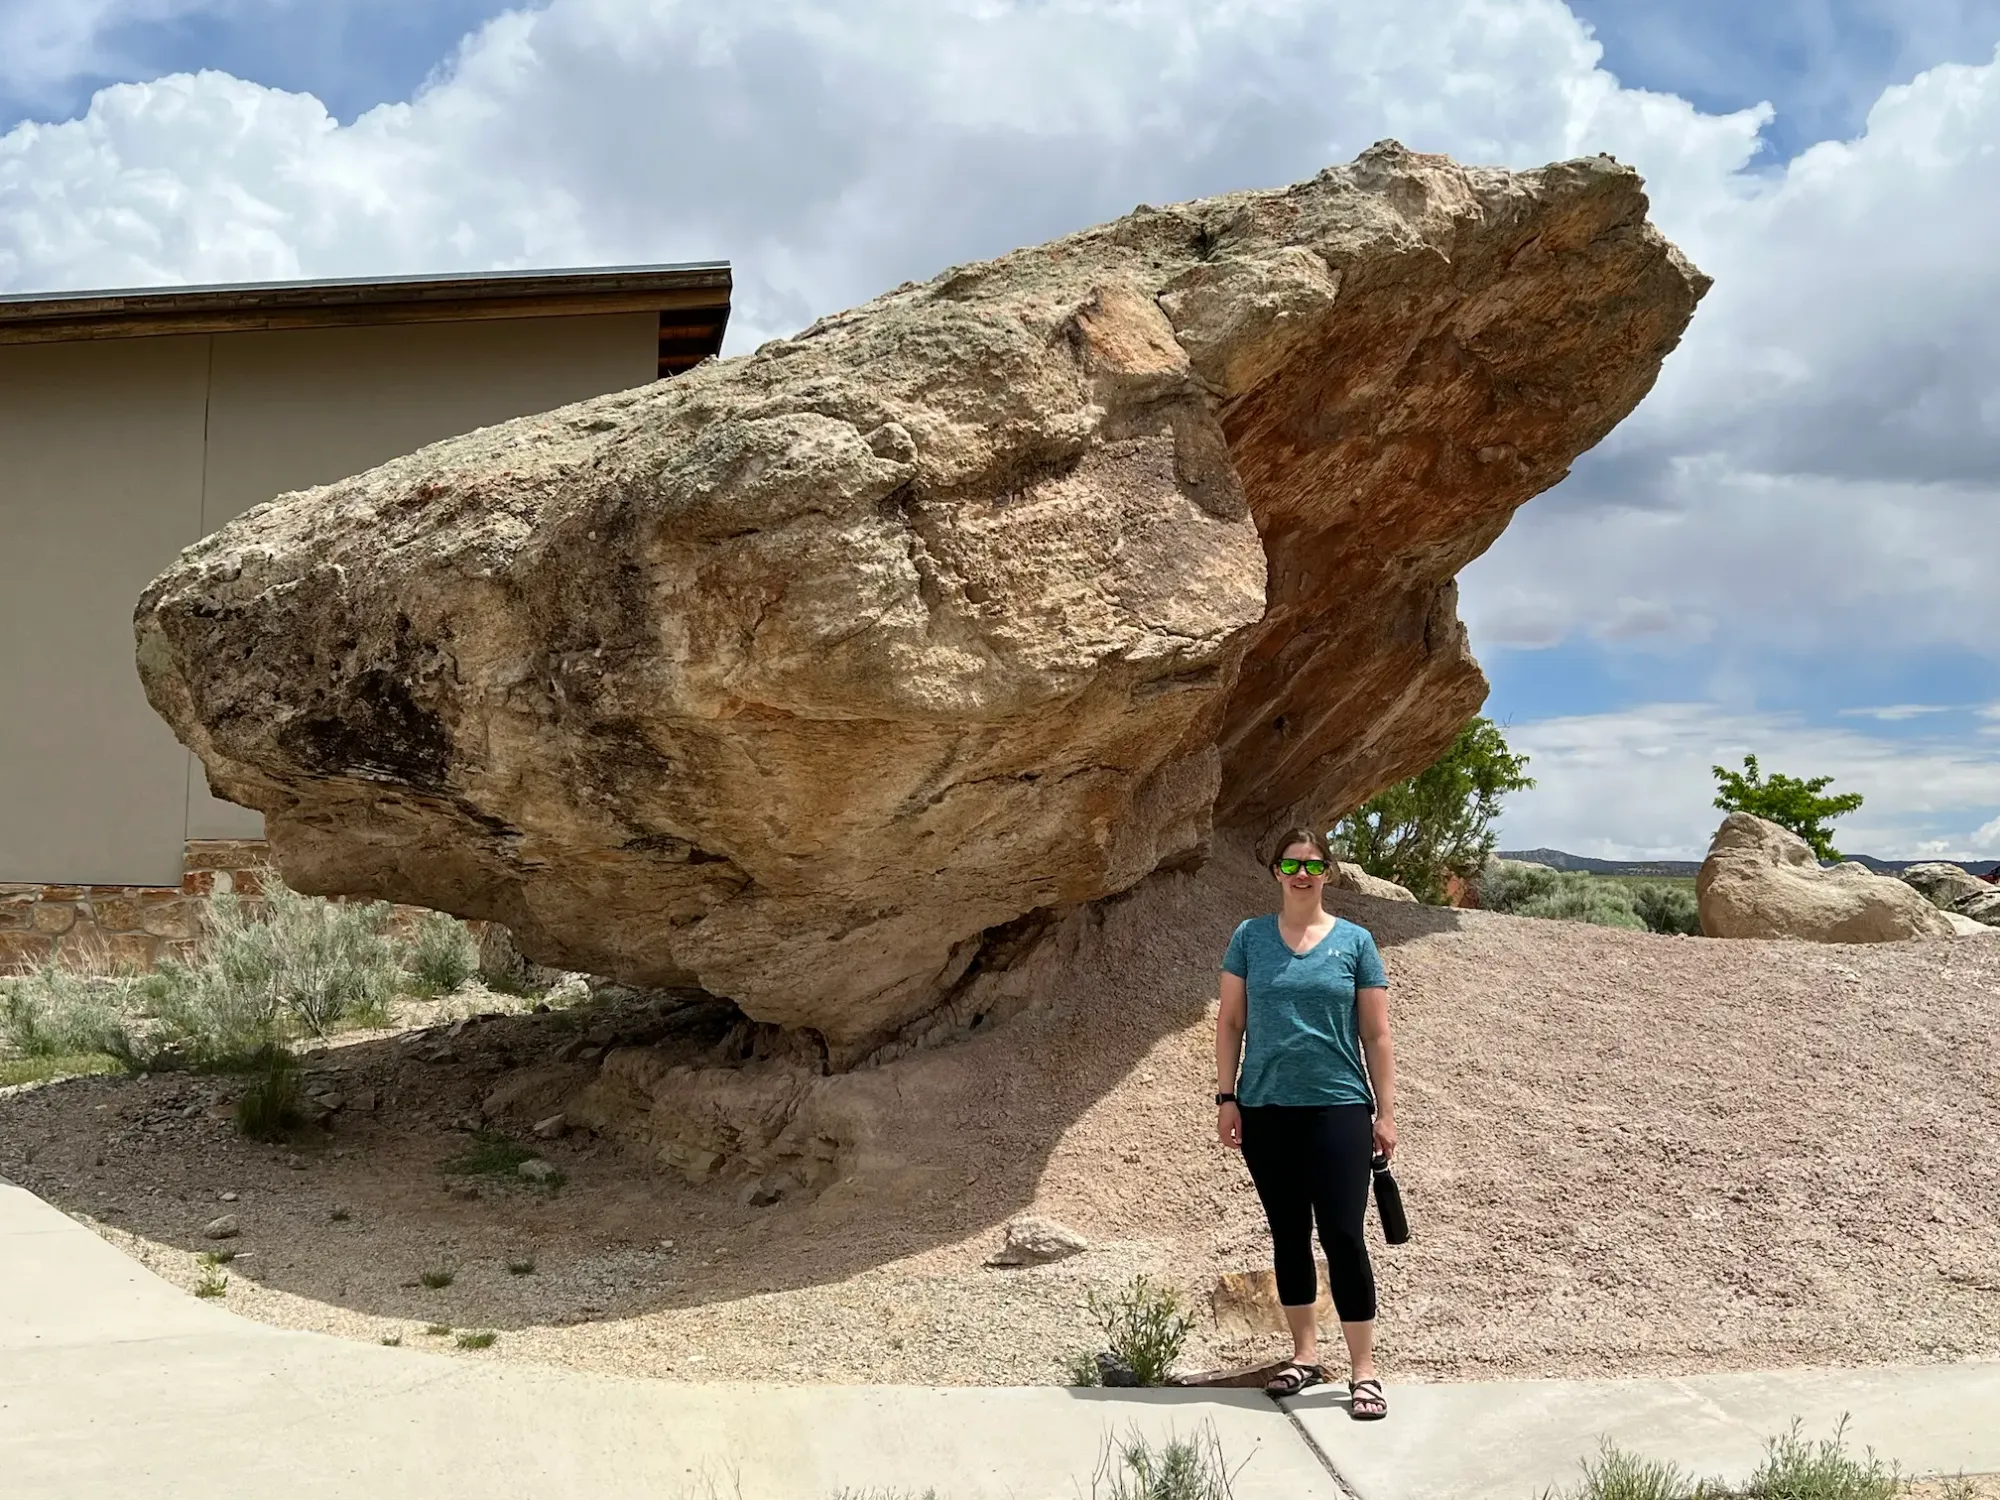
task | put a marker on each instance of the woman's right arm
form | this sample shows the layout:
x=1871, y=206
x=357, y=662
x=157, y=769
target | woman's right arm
x=1230, y=1018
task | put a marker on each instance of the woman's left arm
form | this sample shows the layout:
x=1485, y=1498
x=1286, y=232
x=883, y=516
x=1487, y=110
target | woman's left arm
x=1372, y=1006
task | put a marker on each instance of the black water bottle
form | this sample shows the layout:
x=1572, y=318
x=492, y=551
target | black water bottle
x=1389, y=1202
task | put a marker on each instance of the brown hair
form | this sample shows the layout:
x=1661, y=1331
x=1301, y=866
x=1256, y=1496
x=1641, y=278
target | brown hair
x=1293, y=836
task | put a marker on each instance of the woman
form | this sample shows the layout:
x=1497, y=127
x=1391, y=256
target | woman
x=1303, y=998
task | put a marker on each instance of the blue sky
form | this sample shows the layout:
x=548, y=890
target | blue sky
x=1791, y=547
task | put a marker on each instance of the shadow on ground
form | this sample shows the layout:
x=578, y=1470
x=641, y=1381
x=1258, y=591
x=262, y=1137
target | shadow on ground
x=958, y=1139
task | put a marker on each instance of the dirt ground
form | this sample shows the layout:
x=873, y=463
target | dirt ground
x=1621, y=1153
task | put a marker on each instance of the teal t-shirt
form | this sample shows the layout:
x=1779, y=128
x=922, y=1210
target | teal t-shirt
x=1302, y=1043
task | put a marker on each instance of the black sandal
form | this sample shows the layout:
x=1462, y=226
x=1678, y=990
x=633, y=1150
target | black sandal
x=1364, y=1407
x=1293, y=1378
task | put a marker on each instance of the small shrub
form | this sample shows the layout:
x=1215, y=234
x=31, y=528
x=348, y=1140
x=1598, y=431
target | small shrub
x=1083, y=1368
x=441, y=954
x=212, y=1284
x=287, y=964
x=438, y=1277
x=521, y=1265
x=268, y=1108
x=393, y=1340
x=1617, y=1475
x=476, y=1340
x=1507, y=885
x=1178, y=1469
x=1144, y=1327
x=490, y=1155
x=339, y=1214
x=1525, y=890
x=1586, y=899
x=1667, y=908
x=1794, y=1469
x=217, y=1257
x=437, y=1330
x=76, y=1005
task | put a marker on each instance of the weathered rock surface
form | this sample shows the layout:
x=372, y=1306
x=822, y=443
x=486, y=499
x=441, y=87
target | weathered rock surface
x=1349, y=877
x=1762, y=881
x=1943, y=884
x=1982, y=906
x=1032, y=1241
x=817, y=678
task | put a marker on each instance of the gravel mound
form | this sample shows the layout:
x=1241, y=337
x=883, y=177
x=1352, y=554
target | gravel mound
x=1622, y=1154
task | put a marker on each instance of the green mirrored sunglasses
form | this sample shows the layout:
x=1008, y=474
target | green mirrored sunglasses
x=1293, y=866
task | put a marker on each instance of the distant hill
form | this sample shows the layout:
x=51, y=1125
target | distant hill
x=1556, y=859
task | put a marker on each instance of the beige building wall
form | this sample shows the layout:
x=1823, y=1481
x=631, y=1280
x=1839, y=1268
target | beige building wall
x=105, y=475
x=100, y=485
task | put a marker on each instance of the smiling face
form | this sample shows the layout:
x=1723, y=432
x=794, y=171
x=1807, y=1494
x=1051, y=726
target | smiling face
x=1301, y=881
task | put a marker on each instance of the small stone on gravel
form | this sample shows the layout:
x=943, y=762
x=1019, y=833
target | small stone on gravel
x=1032, y=1241
x=536, y=1170
x=552, y=1128
x=224, y=1228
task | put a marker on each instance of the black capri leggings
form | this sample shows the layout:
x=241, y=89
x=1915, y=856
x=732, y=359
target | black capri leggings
x=1313, y=1163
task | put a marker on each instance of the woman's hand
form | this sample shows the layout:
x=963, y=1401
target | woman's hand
x=1385, y=1135
x=1229, y=1126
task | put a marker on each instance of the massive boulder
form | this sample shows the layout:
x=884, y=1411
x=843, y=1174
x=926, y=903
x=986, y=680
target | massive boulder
x=1762, y=881
x=826, y=678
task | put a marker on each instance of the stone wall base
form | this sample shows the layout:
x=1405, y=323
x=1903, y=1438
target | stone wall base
x=136, y=925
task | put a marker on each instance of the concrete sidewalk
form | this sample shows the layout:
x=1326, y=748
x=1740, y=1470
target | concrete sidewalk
x=1511, y=1440
x=114, y=1383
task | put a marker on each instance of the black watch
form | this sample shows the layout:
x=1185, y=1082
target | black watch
x=1222, y=1099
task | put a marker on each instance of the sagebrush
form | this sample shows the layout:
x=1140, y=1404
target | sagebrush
x=1177, y=1469
x=442, y=954
x=264, y=974
x=1530, y=890
x=1792, y=1469
x=1144, y=1326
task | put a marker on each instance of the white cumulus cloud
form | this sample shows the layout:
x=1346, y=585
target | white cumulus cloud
x=829, y=150
x=1638, y=784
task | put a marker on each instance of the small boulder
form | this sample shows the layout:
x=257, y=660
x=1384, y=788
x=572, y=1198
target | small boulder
x=1032, y=1241
x=1981, y=905
x=537, y=1170
x=1113, y=1371
x=1943, y=884
x=224, y=1228
x=1347, y=877
x=1965, y=927
x=1762, y=881
x=553, y=1128
x=761, y=1194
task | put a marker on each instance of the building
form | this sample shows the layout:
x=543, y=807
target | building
x=133, y=423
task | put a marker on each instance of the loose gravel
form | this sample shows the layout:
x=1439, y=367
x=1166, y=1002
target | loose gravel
x=1622, y=1154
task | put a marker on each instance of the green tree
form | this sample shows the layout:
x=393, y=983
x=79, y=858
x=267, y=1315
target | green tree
x=1786, y=801
x=1436, y=823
